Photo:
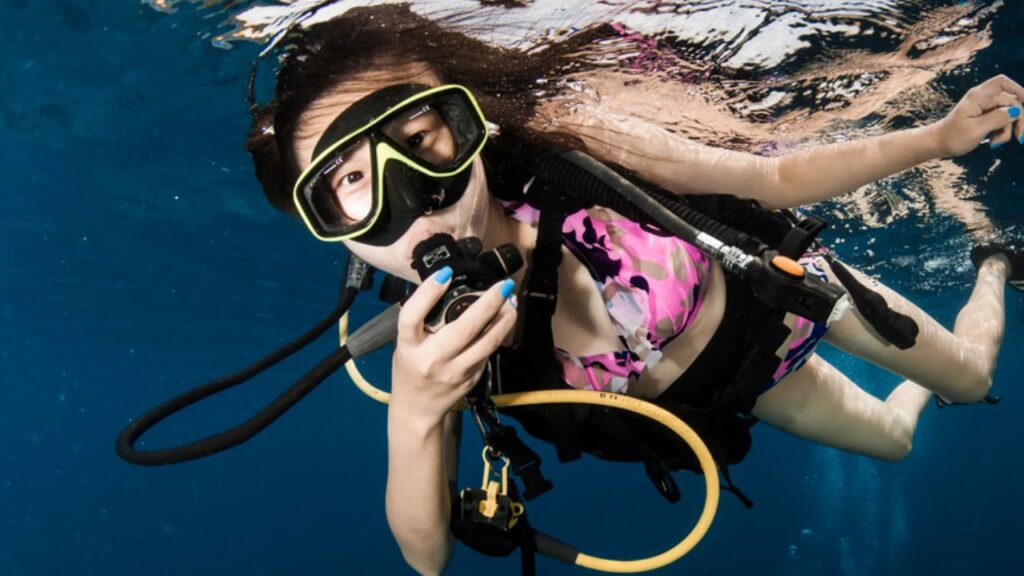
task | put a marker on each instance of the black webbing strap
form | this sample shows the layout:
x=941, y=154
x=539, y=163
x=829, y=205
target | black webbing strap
x=756, y=369
x=759, y=363
x=723, y=465
x=524, y=534
x=898, y=329
x=504, y=439
x=542, y=288
x=536, y=352
x=800, y=236
x=524, y=461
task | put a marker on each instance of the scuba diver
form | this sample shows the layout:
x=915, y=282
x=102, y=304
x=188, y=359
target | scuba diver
x=420, y=149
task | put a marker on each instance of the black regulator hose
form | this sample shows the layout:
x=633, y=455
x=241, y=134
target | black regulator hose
x=228, y=438
x=358, y=276
x=776, y=280
x=603, y=186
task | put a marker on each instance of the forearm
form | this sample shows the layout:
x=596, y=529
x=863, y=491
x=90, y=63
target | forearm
x=671, y=161
x=803, y=177
x=418, y=501
x=823, y=172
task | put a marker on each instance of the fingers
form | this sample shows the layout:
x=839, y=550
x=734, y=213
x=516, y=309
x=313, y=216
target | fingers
x=1000, y=94
x=478, y=332
x=1006, y=84
x=475, y=319
x=982, y=105
x=1002, y=122
x=997, y=84
x=466, y=342
x=416, y=308
x=492, y=336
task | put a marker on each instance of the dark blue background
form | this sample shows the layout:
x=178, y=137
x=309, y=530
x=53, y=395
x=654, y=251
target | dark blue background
x=138, y=258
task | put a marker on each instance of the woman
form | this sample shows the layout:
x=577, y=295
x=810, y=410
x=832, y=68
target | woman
x=340, y=76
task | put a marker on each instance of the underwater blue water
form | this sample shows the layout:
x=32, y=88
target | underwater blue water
x=138, y=259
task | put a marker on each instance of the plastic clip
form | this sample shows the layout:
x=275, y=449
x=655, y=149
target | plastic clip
x=491, y=504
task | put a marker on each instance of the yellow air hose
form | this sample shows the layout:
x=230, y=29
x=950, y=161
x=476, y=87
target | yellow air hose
x=608, y=399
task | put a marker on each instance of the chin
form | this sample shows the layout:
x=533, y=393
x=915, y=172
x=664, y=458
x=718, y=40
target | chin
x=384, y=258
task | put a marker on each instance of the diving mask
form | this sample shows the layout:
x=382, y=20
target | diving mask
x=395, y=155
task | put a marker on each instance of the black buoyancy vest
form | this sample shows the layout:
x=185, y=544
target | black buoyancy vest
x=714, y=396
x=716, y=393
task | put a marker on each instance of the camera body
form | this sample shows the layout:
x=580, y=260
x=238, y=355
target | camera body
x=473, y=272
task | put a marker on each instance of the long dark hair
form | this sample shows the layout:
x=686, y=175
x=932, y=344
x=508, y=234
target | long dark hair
x=507, y=83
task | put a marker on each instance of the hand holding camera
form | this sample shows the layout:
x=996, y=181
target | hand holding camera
x=451, y=324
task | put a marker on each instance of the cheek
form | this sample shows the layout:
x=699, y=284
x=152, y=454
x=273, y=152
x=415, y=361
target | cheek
x=384, y=258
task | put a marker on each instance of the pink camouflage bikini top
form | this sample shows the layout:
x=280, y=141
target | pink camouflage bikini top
x=653, y=287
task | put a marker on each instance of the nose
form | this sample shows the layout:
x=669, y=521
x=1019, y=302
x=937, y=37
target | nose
x=404, y=190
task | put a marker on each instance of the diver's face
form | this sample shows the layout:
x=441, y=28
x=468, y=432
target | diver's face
x=348, y=179
x=425, y=132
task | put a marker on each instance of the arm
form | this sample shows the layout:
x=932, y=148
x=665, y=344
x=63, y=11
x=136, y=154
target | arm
x=823, y=172
x=431, y=372
x=989, y=110
x=422, y=467
x=671, y=161
x=802, y=177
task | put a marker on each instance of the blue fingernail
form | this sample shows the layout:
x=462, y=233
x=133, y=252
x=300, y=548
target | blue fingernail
x=444, y=275
x=1021, y=139
x=507, y=287
x=1014, y=111
x=994, y=145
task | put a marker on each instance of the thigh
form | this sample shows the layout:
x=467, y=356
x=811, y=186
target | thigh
x=820, y=403
x=938, y=361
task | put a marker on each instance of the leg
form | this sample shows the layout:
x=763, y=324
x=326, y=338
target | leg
x=957, y=365
x=819, y=403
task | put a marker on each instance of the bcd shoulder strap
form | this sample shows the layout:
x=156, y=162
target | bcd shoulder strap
x=534, y=361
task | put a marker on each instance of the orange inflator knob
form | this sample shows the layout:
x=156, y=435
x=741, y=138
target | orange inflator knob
x=788, y=266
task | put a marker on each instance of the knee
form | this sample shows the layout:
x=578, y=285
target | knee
x=974, y=386
x=900, y=438
x=898, y=451
x=970, y=379
x=977, y=389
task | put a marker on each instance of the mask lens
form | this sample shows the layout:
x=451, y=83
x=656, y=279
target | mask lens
x=419, y=142
x=341, y=192
x=440, y=132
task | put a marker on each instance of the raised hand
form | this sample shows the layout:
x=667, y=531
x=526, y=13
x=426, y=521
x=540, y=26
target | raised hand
x=990, y=110
x=433, y=371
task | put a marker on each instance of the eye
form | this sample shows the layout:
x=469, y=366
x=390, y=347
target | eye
x=347, y=179
x=415, y=140
x=351, y=177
